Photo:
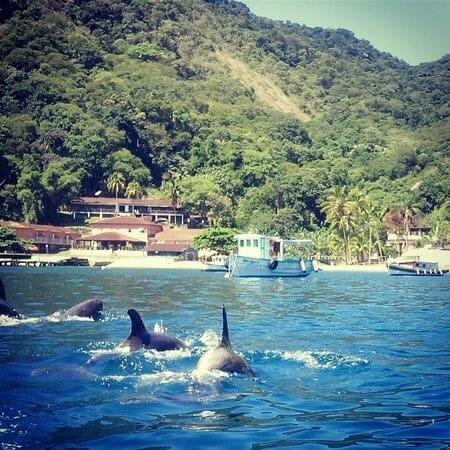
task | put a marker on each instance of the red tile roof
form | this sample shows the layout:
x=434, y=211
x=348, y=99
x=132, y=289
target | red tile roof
x=110, y=236
x=36, y=227
x=146, y=201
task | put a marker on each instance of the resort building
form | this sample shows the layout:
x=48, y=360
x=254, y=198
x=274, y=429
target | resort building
x=120, y=233
x=44, y=238
x=174, y=242
x=155, y=208
x=396, y=235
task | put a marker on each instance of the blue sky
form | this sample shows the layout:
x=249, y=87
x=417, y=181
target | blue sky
x=413, y=30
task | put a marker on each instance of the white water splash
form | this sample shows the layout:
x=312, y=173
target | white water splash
x=209, y=376
x=159, y=327
x=210, y=339
x=165, y=377
x=206, y=414
x=168, y=355
x=6, y=321
x=323, y=359
x=57, y=316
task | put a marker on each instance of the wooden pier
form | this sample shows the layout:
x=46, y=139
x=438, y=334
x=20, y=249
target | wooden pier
x=26, y=262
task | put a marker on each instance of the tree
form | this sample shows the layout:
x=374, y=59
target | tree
x=341, y=215
x=410, y=208
x=9, y=241
x=116, y=183
x=134, y=190
x=221, y=240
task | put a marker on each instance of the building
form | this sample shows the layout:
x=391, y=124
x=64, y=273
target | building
x=155, y=208
x=174, y=242
x=120, y=233
x=396, y=236
x=44, y=238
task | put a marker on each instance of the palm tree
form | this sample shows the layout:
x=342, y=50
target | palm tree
x=409, y=208
x=116, y=183
x=341, y=215
x=172, y=185
x=134, y=190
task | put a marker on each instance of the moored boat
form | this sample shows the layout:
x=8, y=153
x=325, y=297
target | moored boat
x=415, y=267
x=265, y=256
x=217, y=263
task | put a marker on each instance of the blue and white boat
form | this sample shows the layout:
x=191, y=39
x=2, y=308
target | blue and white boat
x=264, y=256
x=415, y=267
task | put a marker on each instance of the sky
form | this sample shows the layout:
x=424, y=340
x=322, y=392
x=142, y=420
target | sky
x=413, y=30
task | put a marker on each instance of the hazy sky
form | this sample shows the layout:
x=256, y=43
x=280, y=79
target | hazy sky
x=413, y=30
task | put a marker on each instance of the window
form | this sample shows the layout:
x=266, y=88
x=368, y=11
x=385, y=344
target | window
x=241, y=243
x=248, y=242
x=255, y=243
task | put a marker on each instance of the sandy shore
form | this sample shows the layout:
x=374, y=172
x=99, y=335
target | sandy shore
x=162, y=262
x=154, y=262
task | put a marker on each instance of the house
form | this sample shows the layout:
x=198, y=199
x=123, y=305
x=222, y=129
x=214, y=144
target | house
x=156, y=208
x=174, y=242
x=396, y=235
x=44, y=238
x=120, y=233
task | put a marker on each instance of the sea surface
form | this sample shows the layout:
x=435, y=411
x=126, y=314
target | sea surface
x=343, y=360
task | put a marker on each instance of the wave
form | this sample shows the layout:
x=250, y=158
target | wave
x=170, y=377
x=323, y=359
x=57, y=316
x=6, y=321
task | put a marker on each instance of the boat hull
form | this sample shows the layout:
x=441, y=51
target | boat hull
x=401, y=270
x=209, y=267
x=242, y=266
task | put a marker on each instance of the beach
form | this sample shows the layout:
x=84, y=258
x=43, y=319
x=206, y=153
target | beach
x=123, y=260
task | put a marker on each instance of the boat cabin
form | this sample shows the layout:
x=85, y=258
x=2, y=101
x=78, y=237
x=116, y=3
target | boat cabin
x=259, y=246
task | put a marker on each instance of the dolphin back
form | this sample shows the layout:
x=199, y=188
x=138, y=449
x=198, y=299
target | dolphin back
x=5, y=307
x=89, y=308
x=2, y=291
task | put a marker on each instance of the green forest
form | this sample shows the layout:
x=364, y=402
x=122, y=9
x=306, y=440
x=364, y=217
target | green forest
x=256, y=124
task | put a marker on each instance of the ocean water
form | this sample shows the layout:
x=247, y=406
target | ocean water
x=343, y=360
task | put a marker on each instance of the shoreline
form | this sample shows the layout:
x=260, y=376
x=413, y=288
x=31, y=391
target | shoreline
x=169, y=263
x=166, y=262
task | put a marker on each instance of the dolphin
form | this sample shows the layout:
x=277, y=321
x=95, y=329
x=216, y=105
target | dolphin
x=5, y=308
x=89, y=308
x=223, y=357
x=141, y=338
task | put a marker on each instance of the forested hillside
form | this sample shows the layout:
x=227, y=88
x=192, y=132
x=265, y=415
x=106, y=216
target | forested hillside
x=244, y=119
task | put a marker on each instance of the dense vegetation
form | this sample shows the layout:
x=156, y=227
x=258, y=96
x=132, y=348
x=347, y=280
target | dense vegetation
x=9, y=241
x=246, y=120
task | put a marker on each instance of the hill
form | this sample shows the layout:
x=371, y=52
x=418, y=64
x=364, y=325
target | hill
x=244, y=119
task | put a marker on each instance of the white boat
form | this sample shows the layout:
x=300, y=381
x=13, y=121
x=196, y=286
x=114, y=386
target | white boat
x=415, y=267
x=264, y=256
x=217, y=263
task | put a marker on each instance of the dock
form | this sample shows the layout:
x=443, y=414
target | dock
x=26, y=263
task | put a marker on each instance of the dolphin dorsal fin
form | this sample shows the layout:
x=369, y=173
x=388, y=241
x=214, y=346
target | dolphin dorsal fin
x=225, y=335
x=2, y=291
x=137, y=326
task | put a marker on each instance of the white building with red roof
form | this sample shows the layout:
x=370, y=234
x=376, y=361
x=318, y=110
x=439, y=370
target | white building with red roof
x=43, y=238
x=120, y=233
x=156, y=208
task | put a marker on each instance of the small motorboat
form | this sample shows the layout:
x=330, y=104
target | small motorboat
x=415, y=267
x=217, y=263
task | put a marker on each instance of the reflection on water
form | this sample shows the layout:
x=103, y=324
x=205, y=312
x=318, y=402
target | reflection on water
x=342, y=360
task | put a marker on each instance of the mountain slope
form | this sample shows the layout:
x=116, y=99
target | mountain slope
x=233, y=112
